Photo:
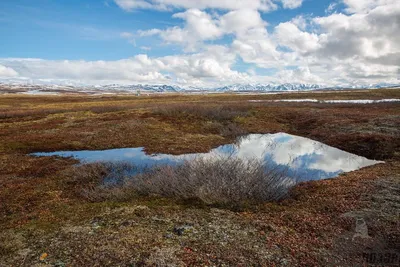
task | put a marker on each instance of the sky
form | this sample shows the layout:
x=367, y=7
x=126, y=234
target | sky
x=203, y=43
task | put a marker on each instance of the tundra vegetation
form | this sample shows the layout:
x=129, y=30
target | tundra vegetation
x=56, y=213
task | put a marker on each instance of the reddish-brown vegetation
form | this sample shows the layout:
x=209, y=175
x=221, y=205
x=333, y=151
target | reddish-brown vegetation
x=40, y=211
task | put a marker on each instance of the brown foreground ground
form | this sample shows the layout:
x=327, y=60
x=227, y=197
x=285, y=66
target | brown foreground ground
x=46, y=221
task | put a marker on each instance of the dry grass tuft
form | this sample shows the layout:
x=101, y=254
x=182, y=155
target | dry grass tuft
x=101, y=181
x=215, y=113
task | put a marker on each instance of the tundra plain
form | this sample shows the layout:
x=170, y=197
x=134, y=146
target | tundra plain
x=46, y=220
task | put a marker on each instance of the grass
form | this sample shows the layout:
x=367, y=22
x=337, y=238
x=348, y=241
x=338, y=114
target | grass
x=42, y=208
x=214, y=112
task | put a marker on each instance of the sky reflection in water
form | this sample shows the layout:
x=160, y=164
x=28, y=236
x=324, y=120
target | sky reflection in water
x=304, y=159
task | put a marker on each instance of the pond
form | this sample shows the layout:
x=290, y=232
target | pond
x=302, y=158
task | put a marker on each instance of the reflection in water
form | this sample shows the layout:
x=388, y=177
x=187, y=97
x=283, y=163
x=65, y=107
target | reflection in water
x=303, y=158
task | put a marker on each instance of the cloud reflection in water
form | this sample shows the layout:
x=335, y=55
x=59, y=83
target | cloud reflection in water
x=303, y=158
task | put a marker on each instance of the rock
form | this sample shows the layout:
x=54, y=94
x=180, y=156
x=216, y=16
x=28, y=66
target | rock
x=43, y=256
x=361, y=229
x=127, y=223
x=59, y=264
x=168, y=236
x=179, y=230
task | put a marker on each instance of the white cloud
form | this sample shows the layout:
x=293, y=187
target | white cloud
x=371, y=36
x=291, y=4
x=127, y=69
x=290, y=35
x=362, y=6
x=149, y=32
x=6, y=72
x=300, y=21
x=207, y=68
x=126, y=35
x=300, y=75
x=167, y=5
x=252, y=41
x=200, y=26
x=133, y=4
x=263, y=5
x=331, y=8
x=240, y=21
x=255, y=46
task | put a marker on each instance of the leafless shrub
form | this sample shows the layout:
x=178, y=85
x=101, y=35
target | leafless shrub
x=222, y=180
x=228, y=181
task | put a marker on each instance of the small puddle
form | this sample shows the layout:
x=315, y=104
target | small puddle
x=302, y=158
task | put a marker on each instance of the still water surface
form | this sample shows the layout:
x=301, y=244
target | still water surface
x=302, y=158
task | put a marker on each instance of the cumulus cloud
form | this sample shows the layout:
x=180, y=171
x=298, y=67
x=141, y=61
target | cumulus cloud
x=166, y=5
x=127, y=69
x=300, y=21
x=240, y=21
x=203, y=69
x=291, y=4
x=288, y=34
x=362, y=6
x=299, y=75
x=200, y=26
x=263, y=5
x=370, y=36
x=361, y=47
x=6, y=72
x=133, y=4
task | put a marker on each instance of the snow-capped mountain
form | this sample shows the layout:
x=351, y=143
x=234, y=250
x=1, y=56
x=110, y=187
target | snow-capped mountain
x=141, y=87
x=150, y=88
x=286, y=87
x=268, y=87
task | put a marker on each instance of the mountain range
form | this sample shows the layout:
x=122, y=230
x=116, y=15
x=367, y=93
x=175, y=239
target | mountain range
x=134, y=88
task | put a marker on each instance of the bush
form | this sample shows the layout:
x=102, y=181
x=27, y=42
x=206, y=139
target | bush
x=223, y=181
x=227, y=181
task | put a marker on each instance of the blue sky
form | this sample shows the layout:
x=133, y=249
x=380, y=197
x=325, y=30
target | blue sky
x=90, y=29
x=203, y=43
